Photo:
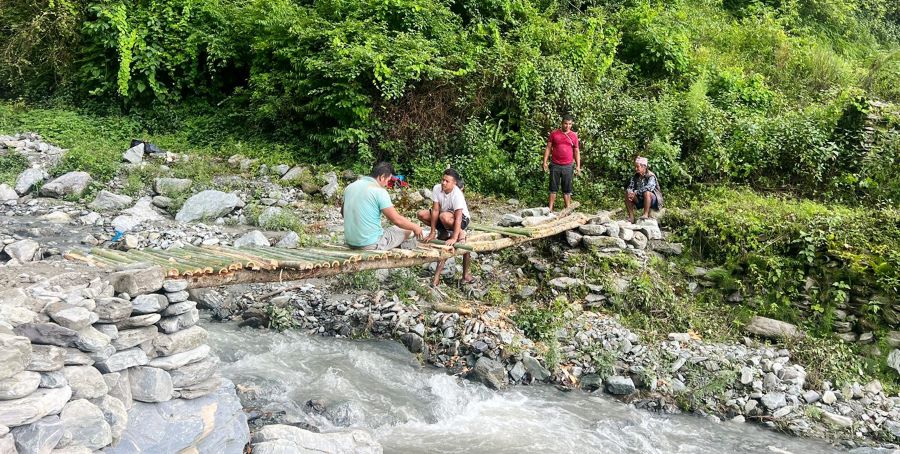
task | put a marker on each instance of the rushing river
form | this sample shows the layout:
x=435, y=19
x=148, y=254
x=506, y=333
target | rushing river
x=379, y=386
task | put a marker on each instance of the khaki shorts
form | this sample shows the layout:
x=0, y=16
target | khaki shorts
x=393, y=237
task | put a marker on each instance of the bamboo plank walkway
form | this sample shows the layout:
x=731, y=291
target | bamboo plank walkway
x=211, y=266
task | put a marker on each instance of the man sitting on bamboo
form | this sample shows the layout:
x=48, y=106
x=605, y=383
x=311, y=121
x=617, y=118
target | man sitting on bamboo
x=365, y=200
x=448, y=218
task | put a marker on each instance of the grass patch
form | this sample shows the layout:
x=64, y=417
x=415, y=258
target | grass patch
x=363, y=280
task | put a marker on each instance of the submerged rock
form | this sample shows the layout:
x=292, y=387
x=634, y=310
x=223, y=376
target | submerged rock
x=278, y=438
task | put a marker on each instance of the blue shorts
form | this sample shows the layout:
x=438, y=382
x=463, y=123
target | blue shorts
x=639, y=201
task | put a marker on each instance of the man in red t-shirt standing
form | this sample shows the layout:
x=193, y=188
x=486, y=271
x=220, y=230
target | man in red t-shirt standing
x=563, y=146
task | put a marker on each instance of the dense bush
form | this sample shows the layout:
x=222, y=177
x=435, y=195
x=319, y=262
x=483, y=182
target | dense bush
x=755, y=92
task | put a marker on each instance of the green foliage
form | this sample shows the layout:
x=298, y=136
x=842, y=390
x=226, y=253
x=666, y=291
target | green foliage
x=837, y=362
x=11, y=165
x=541, y=322
x=280, y=318
x=363, y=280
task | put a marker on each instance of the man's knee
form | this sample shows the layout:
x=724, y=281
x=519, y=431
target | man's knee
x=424, y=215
x=447, y=219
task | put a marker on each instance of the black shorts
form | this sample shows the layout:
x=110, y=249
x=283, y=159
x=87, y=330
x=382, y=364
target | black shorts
x=561, y=176
x=443, y=234
x=639, y=201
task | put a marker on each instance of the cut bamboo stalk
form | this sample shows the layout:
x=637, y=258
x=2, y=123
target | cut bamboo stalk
x=463, y=246
x=233, y=264
x=222, y=263
x=248, y=261
x=171, y=270
x=197, y=267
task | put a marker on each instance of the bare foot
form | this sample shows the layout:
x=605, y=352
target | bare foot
x=468, y=279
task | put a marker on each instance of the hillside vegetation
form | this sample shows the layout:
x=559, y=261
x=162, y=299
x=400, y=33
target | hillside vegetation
x=774, y=93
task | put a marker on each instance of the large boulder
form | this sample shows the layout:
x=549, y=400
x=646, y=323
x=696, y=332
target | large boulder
x=208, y=204
x=86, y=423
x=491, y=373
x=215, y=423
x=28, y=179
x=15, y=354
x=772, y=329
x=620, y=385
x=279, y=438
x=70, y=184
x=603, y=242
x=252, y=239
x=141, y=212
x=109, y=201
x=43, y=402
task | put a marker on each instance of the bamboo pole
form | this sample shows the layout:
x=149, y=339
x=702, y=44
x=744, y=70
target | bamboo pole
x=222, y=263
x=198, y=267
x=294, y=255
x=501, y=230
x=233, y=263
x=247, y=260
x=171, y=270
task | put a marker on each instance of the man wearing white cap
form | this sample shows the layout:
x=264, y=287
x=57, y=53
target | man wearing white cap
x=642, y=190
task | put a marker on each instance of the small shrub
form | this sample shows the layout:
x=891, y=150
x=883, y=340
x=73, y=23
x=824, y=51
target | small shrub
x=11, y=165
x=280, y=318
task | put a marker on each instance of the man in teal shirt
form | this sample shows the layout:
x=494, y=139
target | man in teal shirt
x=364, y=202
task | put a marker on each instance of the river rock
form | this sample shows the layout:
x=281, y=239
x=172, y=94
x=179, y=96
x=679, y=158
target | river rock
x=626, y=234
x=592, y=229
x=16, y=315
x=893, y=359
x=138, y=282
x=573, y=238
x=199, y=389
x=91, y=340
x=53, y=379
x=180, y=359
x=535, y=369
x=413, y=342
x=565, y=282
x=603, y=242
x=194, y=373
x=109, y=329
x=772, y=329
x=650, y=228
x=836, y=420
x=591, y=382
x=290, y=240
x=252, y=239
x=665, y=248
x=72, y=317
x=43, y=402
x=132, y=337
x=639, y=240
x=120, y=387
x=86, y=382
x=70, y=184
x=149, y=384
x=619, y=385
x=109, y=201
x=135, y=154
x=214, y=423
x=178, y=297
x=773, y=401
x=138, y=321
x=299, y=440
x=179, y=308
x=182, y=341
x=15, y=354
x=171, y=325
x=208, y=204
x=76, y=357
x=23, y=250
x=510, y=220
x=115, y=414
x=48, y=334
x=28, y=179
x=149, y=303
x=7, y=193
x=86, y=423
x=491, y=373
x=531, y=221
x=19, y=385
x=175, y=285
x=40, y=436
x=171, y=186
x=46, y=358
x=112, y=309
x=122, y=360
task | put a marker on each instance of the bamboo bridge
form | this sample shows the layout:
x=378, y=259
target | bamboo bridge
x=211, y=266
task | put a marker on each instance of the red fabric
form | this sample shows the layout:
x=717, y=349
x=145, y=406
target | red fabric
x=561, y=148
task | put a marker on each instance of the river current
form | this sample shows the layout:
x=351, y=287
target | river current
x=379, y=386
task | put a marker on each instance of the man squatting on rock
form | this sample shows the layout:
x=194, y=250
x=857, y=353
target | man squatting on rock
x=448, y=218
x=562, y=145
x=642, y=190
x=364, y=202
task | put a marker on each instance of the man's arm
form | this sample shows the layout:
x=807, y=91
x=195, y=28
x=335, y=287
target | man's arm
x=577, y=158
x=547, y=154
x=400, y=221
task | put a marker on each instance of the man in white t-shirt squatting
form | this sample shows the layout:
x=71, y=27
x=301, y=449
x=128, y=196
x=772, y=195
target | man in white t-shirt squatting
x=448, y=218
